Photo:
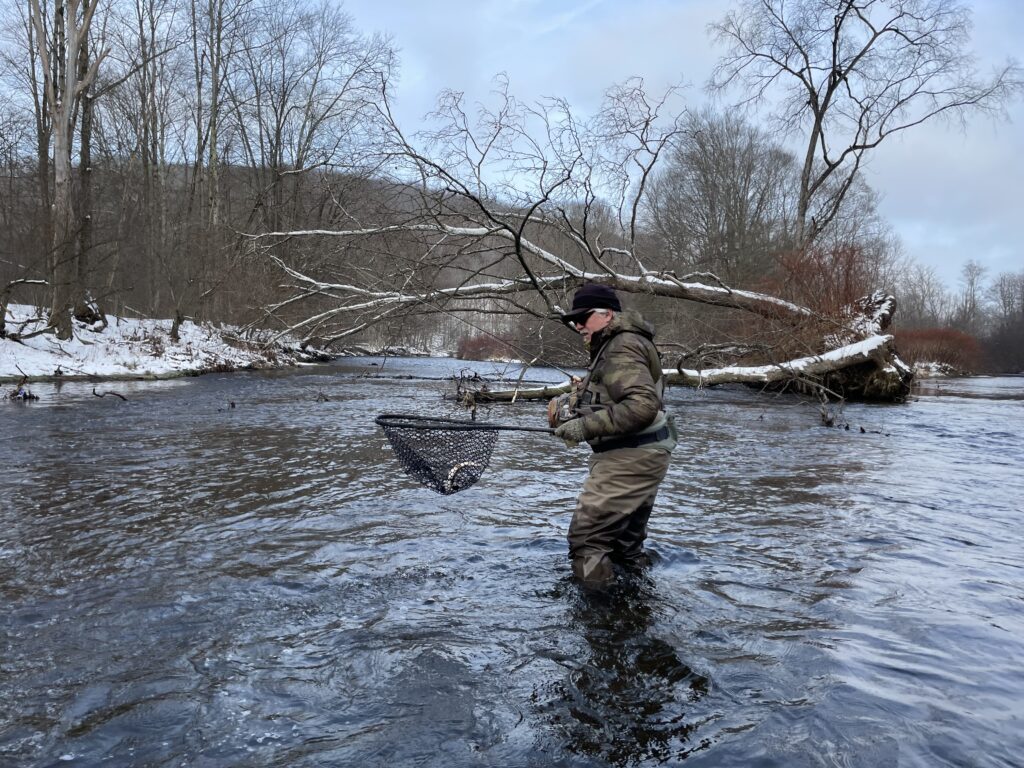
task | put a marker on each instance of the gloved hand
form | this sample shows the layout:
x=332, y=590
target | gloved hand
x=571, y=432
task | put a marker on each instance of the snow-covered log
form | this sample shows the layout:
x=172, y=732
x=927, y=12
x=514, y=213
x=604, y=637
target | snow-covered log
x=870, y=362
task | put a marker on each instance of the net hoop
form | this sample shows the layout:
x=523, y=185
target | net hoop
x=415, y=421
x=412, y=421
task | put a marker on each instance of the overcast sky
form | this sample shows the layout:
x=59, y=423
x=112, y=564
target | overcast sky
x=951, y=196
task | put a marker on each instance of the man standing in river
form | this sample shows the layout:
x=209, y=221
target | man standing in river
x=617, y=408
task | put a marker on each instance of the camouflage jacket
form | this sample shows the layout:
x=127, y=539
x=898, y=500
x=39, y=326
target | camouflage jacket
x=622, y=392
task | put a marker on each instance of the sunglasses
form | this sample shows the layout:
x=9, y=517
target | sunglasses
x=583, y=321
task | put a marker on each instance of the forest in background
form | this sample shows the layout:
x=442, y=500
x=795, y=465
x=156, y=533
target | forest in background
x=145, y=146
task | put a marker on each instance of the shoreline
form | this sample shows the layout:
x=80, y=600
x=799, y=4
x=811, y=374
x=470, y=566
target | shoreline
x=142, y=350
x=137, y=350
x=6, y=379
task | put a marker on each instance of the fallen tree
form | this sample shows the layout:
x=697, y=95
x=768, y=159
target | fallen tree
x=511, y=212
x=857, y=359
x=5, y=296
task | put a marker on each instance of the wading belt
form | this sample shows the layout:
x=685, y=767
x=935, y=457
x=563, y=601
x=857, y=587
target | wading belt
x=632, y=441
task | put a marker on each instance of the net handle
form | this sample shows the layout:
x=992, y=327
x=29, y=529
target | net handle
x=413, y=421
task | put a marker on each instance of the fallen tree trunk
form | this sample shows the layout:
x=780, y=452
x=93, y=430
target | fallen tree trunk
x=848, y=353
x=852, y=368
x=877, y=375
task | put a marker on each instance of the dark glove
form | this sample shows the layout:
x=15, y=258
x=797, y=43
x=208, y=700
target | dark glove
x=571, y=432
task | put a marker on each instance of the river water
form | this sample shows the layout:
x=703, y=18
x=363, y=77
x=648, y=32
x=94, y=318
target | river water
x=232, y=571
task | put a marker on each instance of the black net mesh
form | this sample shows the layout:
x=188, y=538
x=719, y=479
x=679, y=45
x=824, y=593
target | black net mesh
x=445, y=455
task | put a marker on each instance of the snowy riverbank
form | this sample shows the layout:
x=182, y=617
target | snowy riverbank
x=133, y=349
x=143, y=349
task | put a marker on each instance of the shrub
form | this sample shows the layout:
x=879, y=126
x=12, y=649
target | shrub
x=482, y=347
x=940, y=345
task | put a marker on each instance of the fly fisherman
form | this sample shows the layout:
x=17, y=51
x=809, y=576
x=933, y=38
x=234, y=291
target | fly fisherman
x=617, y=408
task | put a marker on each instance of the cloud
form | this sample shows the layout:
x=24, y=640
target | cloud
x=953, y=194
x=574, y=50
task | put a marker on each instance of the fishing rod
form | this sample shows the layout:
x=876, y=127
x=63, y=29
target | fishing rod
x=450, y=455
x=506, y=342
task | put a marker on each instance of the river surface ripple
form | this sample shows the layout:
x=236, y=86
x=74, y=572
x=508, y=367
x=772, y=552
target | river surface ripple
x=232, y=571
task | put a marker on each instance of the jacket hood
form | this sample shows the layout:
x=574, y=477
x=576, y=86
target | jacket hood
x=627, y=320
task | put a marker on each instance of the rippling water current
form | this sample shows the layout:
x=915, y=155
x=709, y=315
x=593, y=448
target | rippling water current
x=189, y=583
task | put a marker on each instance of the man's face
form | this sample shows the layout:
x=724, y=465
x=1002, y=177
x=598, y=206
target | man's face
x=597, y=320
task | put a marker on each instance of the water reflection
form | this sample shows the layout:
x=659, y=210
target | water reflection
x=628, y=700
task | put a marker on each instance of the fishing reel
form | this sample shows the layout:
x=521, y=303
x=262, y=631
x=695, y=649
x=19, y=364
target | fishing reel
x=559, y=410
x=563, y=408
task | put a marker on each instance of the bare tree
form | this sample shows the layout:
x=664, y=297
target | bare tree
x=18, y=209
x=67, y=73
x=924, y=300
x=24, y=95
x=1007, y=297
x=722, y=202
x=304, y=89
x=970, y=315
x=856, y=250
x=850, y=73
x=1006, y=343
x=219, y=30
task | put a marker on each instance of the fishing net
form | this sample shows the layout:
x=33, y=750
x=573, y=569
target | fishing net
x=445, y=455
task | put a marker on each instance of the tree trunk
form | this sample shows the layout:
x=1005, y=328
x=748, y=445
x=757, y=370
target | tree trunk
x=215, y=10
x=86, y=308
x=67, y=74
x=65, y=269
x=857, y=371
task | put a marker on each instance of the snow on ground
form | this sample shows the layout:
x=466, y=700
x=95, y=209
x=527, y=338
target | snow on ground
x=926, y=370
x=129, y=349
